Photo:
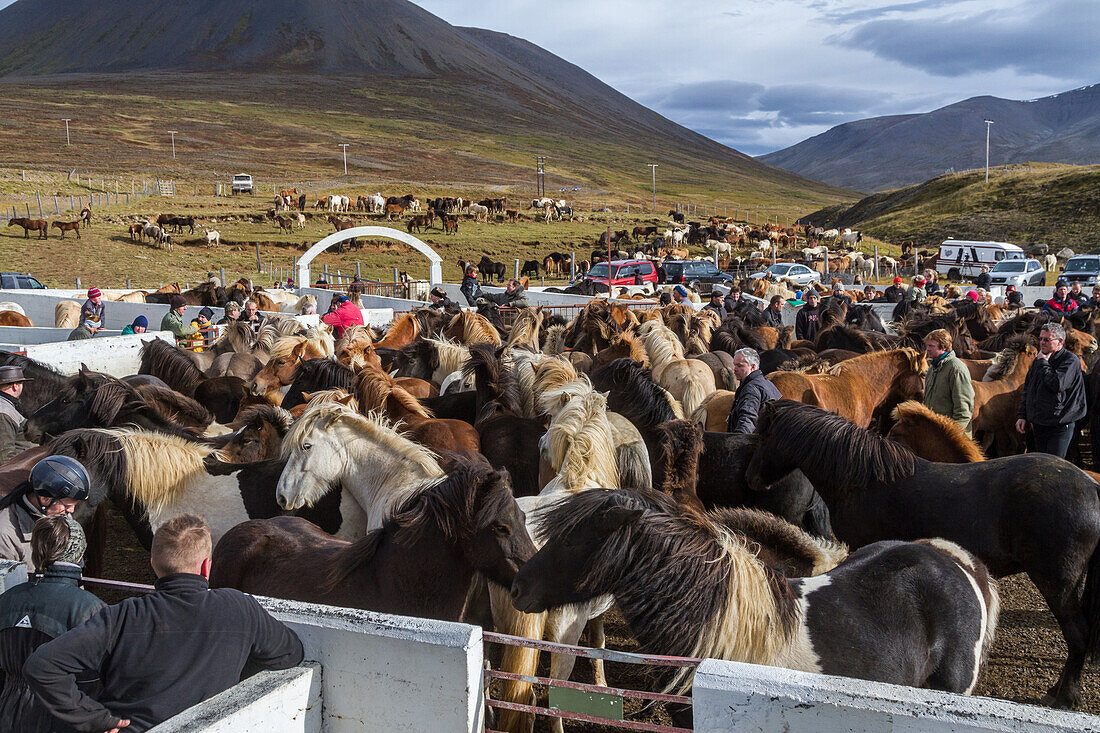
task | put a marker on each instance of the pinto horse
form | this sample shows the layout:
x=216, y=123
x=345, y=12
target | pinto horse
x=421, y=562
x=31, y=225
x=1032, y=513
x=694, y=585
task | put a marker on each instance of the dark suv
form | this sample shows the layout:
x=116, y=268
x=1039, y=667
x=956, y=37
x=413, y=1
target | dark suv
x=19, y=281
x=696, y=273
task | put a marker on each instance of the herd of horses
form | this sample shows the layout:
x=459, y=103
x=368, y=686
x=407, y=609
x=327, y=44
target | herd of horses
x=43, y=226
x=531, y=477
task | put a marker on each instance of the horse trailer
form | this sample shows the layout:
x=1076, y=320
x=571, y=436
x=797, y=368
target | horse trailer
x=958, y=258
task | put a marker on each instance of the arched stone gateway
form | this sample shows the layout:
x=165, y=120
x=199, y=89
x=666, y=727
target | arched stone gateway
x=435, y=266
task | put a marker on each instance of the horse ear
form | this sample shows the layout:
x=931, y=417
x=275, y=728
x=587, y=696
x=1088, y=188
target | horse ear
x=307, y=396
x=615, y=517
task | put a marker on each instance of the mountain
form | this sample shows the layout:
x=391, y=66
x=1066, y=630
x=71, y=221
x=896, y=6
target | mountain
x=385, y=72
x=1044, y=203
x=888, y=152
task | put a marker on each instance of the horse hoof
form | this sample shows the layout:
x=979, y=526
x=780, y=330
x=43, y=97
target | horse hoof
x=1060, y=702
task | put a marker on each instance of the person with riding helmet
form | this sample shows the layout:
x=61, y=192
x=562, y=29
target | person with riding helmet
x=39, y=611
x=12, y=440
x=56, y=487
x=92, y=311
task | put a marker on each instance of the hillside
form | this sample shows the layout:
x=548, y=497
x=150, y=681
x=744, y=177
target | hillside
x=277, y=86
x=1043, y=204
x=887, y=152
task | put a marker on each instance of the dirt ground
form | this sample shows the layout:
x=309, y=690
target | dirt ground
x=1025, y=661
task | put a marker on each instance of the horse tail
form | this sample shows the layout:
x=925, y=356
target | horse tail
x=634, y=469
x=693, y=395
x=520, y=660
x=1090, y=603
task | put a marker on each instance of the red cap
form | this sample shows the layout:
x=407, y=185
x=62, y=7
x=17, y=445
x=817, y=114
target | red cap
x=897, y=280
x=94, y=293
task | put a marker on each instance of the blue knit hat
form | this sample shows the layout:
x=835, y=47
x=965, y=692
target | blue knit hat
x=141, y=321
x=681, y=290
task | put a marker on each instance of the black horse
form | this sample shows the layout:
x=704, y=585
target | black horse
x=721, y=475
x=1030, y=513
x=43, y=383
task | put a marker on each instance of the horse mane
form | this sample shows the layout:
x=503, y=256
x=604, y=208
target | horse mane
x=471, y=328
x=524, y=364
x=526, y=328
x=555, y=339
x=843, y=337
x=159, y=467
x=305, y=300
x=635, y=395
x=660, y=343
x=781, y=544
x=681, y=443
x=319, y=374
x=255, y=416
x=726, y=603
x=170, y=365
x=1004, y=361
x=285, y=346
x=174, y=406
x=99, y=452
x=914, y=411
x=32, y=369
x=405, y=320
x=551, y=374
x=325, y=415
x=807, y=364
x=449, y=356
x=457, y=505
x=237, y=337
x=497, y=380
x=829, y=445
x=579, y=442
x=373, y=388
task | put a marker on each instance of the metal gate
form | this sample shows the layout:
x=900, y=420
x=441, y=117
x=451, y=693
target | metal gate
x=580, y=707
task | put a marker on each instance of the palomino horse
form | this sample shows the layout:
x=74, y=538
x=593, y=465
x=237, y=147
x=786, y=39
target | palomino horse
x=718, y=599
x=858, y=386
x=689, y=380
x=1030, y=513
x=31, y=225
x=468, y=327
x=421, y=562
x=376, y=468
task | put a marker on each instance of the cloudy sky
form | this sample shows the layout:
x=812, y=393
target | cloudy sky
x=760, y=75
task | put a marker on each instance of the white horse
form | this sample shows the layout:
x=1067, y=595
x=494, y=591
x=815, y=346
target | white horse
x=376, y=467
x=1050, y=262
x=214, y=237
x=377, y=203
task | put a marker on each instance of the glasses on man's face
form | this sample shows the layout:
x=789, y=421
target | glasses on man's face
x=1048, y=340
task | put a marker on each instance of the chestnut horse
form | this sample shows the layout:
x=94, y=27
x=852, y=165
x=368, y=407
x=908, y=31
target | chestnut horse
x=31, y=225
x=379, y=393
x=68, y=226
x=13, y=318
x=858, y=386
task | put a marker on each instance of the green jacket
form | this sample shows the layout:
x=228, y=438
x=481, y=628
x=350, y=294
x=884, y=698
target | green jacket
x=174, y=323
x=948, y=391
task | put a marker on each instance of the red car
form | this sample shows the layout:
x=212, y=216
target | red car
x=623, y=272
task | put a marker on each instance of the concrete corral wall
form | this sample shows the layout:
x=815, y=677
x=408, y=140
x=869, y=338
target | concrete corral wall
x=119, y=356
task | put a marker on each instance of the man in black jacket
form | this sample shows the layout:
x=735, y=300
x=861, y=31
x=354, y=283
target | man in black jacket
x=773, y=314
x=895, y=293
x=470, y=287
x=753, y=391
x=808, y=320
x=159, y=654
x=1053, y=398
x=984, y=280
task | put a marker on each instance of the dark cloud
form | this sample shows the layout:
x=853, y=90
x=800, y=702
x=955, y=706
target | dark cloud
x=1046, y=39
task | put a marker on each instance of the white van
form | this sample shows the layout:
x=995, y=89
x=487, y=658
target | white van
x=959, y=258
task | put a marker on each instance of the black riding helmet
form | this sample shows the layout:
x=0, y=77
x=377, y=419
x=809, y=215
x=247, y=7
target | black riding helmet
x=60, y=477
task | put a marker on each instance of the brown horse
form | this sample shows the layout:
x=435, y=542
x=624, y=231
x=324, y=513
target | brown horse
x=424, y=561
x=258, y=433
x=31, y=225
x=996, y=401
x=14, y=318
x=858, y=386
x=68, y=226
x=931, y=436
x=404, y=330
x=287, y=353
x=377, y=392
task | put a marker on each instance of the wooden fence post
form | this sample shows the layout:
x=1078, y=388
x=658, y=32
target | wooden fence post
x=258, y=268
x=38, y=196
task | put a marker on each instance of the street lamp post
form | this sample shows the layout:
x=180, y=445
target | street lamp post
x=987, y=125
x=173, y=134
x=345, y=147
x=653, y=168
x=67, y=121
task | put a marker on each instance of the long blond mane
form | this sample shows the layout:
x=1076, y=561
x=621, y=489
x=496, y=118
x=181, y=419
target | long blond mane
x=526, y=328
x=473, y=328
x=579, y=442
x=661, y=344
x=452, y=356
x=160, y=467
x=551, y=374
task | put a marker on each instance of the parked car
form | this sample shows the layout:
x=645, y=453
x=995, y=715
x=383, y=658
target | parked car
x=964, y=258
x=696, y=273
x=623, y=272
x=242, y=183
x=793, y=271
x=1017, y=272
x=19, y=281
x=1084, y=269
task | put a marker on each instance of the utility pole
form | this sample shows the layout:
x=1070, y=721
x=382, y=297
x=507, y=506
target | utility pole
x=653, y=168
x=987, y=125
x=345, y=147
x=67, y=121
x=540, y=176
x=173, y=134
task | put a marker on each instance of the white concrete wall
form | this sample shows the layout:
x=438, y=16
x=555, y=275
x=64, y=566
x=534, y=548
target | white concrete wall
x=18, y=336
x=286, y=701
x=119, y=356
x=746, y=697
x=390, y=673
x=12, y=573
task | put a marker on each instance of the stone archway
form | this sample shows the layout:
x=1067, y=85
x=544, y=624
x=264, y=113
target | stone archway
x=435, y=263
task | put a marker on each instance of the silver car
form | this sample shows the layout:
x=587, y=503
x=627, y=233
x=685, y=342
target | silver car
x=793, y=271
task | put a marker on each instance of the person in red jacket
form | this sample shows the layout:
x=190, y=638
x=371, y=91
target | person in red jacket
x=341, y=314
